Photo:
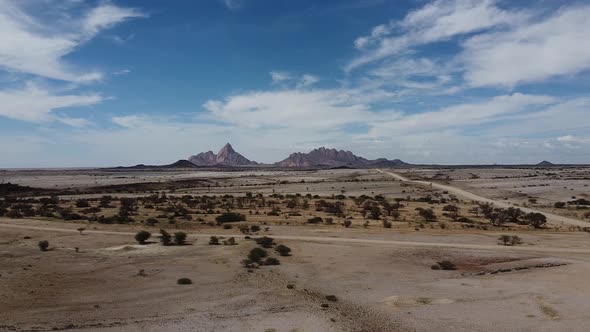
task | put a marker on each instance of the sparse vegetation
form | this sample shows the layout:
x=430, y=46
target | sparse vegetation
x=180, y=238
x=142, y=236
x=43, y=245
x=184, y=281
x=283, y=250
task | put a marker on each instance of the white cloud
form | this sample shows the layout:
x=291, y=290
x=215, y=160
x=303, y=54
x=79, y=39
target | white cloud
x=326, y=109
x=307, y=80
x=461, y=116
x=35, y=104
x=279, y=76
x=233, y=4
x=437, y=21
x=555, y=45
x=31, y=45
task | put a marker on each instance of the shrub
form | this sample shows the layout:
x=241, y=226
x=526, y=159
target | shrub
x=184, y=281
x=165, y=238
x=535, y=219
x=559, y=205
x=230, y=242
x=257, y=254
x=447, y=265
x=82, y=203
x=315, y=220
x=510, y=240
x=230, y=217
x=180, y=238
x=386, y=224
x=283, y=250
x=214, y=241
x=347, y=223
x=265, y=241
x=227, y=226
x=271, y=261
x=142, y=236
x=435, y=267
x=332, y=298
x=81, y=229
x=254, y=228
x=151, y=221
x=427, y=214
x=43, y=245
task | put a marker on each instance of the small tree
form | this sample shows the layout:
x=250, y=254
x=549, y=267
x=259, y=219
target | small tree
x=505, y=239
x=283, y=250
x=142, y=236
x=271, y=261
x=386, y=224
x=165, y=237
x=180, y=238
x=43, y=245
x=214, y=241
x=535, y=219
x=257, y=254
x=347, y=223
x=81, y=229
x=265, y=242
x=447, y=265
x=427, y=214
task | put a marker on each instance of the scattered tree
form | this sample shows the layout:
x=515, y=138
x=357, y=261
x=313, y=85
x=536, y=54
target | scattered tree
x=43, y=245
x=142, y=236
x=283, y=250
x=180, y=238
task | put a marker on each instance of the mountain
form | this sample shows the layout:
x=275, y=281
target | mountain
x=227, y=156
x=545, y=163
x=334, y=158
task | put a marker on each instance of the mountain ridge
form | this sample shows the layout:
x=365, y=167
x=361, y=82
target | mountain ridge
x=334, y=158
x=227, y=156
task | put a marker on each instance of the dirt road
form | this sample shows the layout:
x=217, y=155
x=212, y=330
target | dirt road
x=551, y=218
x=330, y=240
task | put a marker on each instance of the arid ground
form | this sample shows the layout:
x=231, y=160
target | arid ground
x=368, y=252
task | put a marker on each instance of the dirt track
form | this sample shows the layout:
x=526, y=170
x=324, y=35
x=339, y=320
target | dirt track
x=327, y=239
x=551, y=218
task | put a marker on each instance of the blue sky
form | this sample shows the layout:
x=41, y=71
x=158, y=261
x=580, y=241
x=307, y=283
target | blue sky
x=102, y=83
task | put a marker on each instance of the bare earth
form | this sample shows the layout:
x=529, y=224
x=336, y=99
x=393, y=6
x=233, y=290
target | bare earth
x=381, y=277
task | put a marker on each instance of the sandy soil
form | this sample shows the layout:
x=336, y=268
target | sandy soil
x=381, y=278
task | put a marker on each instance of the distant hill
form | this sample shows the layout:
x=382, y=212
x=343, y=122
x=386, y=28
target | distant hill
x=179, y=164
x=334, y=158
x=545, y=163
x=227, y=156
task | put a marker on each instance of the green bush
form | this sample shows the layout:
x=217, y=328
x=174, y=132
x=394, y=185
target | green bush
x=257, y=254
x=165, y=238
x=43, y=245
x=283, y=250
x=180, y=238
x=272, y=261
x=447, y=265
x=142, y=236
x=214, y=241
x=230, y=217
x=315, y=220
x=265, y=241
x=184, y=281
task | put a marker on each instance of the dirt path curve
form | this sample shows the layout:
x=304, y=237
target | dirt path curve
x=551, y=218
x=333, y=240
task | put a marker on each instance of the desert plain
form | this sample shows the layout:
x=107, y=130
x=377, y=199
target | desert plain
x=409, y=249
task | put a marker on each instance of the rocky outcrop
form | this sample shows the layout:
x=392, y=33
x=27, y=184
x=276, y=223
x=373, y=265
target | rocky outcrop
x=334, y=158
x=227, y=156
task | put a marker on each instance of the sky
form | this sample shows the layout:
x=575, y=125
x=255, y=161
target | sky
x=124, y=82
